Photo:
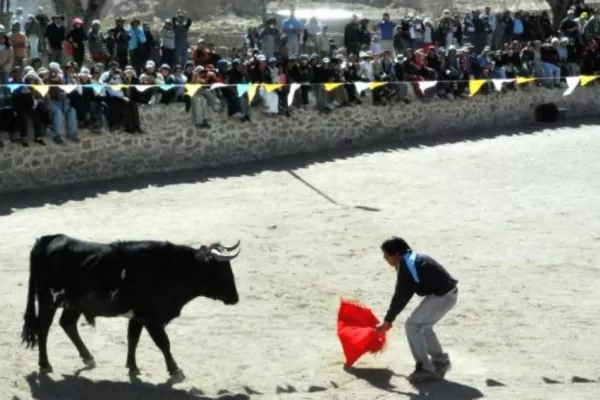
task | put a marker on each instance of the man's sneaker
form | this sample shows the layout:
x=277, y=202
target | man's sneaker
x=421, y=375
x=442, y=368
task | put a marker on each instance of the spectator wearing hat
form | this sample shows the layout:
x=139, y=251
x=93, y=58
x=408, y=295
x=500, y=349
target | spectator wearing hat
x=181, y=26
x=77, y=38
x=167, y=43
x=33, y=32
x=55, y=36
x=591, y=29
x=89, y=111
x=117, y=42
x=25, y=105
x=18, y=41
x=6, y=56
x=137, y=40
x=97, y=43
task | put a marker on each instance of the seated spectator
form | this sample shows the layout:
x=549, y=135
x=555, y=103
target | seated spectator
x=25, y=104
x=6, y=56
x=61, y=110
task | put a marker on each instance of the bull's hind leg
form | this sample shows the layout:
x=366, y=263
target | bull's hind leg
x=68, y=321
x=160, y=338
x=45, y=316
x=134, y=331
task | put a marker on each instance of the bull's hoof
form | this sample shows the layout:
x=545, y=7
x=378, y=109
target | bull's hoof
x=90, y=363
x=176, y=377
x=46, y=370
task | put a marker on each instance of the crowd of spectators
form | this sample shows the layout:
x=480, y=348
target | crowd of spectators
x=450, y=49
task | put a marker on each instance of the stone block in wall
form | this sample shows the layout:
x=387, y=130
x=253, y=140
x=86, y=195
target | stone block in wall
x=173, y=143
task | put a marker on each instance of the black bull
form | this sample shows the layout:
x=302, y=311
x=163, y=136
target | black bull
x=147, y=281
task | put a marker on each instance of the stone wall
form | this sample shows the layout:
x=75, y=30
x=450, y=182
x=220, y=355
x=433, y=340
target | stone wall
x=173, y=143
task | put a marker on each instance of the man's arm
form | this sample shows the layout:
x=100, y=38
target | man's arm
x=402, y=295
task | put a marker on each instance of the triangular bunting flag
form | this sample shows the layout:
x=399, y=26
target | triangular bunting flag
x=475, y=85
x=191, y=89
x=67, y=88
x=166, y=87
x=293, y=88
x=142, y=88
x=373, y=85
x=41, y=89
x=252, y=91
x=242, y=89
x=217, y=85
x=330, y=86
x=521, y=79
x=97, y=88
x=585, y=79
x=13, y=86
x=117, y=87
x=499, y=82
x=271, y=87
x=361, y=86
x=424, y=85
x=572, y=82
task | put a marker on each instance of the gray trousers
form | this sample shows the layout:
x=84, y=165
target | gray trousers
x=419, y=329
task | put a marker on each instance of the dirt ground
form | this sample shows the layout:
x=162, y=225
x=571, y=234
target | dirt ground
x=515, y=218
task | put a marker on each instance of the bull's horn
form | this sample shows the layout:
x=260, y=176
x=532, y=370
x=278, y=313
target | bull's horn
x=220, y=256
x=235, y=246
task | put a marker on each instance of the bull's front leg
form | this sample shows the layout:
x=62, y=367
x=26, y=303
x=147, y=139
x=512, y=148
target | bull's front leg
x=161, y=339
x=134, y=331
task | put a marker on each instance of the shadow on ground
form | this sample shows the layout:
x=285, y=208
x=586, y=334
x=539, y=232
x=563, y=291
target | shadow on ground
x=76, y=192
x=44, y=387
x=380, y=378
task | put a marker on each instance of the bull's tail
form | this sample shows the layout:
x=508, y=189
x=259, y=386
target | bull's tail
x=31, y=324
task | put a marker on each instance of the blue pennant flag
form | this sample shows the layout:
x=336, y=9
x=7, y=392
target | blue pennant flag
x=13, y=86
x=242, y=89
x=166, y=87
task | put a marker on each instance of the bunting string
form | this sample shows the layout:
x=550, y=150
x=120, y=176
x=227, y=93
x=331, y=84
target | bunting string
x=251, y=89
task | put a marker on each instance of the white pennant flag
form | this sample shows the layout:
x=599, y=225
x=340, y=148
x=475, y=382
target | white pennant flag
x=143, y=88
x=361, y=86
x=499, y=82
x=424, y=85
x=217, y=85
x=67, y=88
x=293, y=88
x=572, y=82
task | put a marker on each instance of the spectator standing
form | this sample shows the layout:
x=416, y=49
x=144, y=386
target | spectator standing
x=270, y=37
x=18, y=17
x=97, y=43
x=323, y=42
x=167, y=43
x=6, y=56
x=312, y=28
x=55, y=36
x=591, y=29
x=351, y=37
x=386, y=33
x=137, y=40
x=77, y=38
x=181, y=26
x=18, y=41
x=117, y=42
x=33, y=31
x=43, y=20
x=292, y=28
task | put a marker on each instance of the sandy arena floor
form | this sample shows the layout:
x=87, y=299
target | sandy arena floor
x=515, y=218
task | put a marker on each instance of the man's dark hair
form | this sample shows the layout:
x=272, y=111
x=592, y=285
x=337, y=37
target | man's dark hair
x=395, y=245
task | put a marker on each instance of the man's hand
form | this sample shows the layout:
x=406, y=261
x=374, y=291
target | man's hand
x=384, y=327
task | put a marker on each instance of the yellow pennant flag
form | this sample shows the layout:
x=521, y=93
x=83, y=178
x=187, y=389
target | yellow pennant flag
x=585, y=79
x=117, y=87
x=271, y=87
x=41, y=89
x=373, y=85
x=252, y=91
x=330, y=86
x=191, y=89
x=475, y=85
x=521, y=79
